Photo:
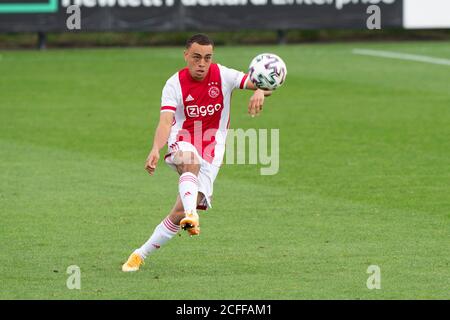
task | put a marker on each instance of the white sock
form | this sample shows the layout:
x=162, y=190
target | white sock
x=188, y=188
x=165, y=231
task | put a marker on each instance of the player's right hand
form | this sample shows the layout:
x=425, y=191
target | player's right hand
x=152, y=161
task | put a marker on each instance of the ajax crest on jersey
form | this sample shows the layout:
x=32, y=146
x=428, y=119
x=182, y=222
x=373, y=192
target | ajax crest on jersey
x=267, y=71
x=214, y=92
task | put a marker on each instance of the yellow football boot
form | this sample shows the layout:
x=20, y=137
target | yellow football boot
x=133, y=263
x=191, y=223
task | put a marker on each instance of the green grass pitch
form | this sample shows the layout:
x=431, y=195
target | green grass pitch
x=364, y=178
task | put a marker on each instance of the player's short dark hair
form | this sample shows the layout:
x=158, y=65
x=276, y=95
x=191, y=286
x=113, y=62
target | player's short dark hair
x=199, y=38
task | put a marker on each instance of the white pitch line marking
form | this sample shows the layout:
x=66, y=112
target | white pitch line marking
x=401, y=56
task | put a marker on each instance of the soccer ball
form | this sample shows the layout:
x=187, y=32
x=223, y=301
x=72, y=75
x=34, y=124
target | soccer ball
x=267, y=71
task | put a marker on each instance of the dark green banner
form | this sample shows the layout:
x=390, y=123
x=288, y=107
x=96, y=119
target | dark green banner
x=207, y=15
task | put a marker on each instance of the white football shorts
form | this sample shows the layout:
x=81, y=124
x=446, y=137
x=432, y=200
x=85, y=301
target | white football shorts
x=206, y=176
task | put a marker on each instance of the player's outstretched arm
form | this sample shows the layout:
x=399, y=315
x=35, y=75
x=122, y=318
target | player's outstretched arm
x=256, y=102
x=160, y=140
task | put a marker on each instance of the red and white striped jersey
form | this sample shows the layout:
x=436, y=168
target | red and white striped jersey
x=202, y=109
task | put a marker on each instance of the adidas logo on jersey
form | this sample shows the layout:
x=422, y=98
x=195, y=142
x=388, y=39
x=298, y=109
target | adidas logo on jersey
x=189, y=98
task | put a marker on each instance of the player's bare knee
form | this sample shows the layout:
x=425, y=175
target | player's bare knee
x=192, y=168
x=186, y=162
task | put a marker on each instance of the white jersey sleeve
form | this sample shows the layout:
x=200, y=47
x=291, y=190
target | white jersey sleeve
x=170, y=98
x=233, y=79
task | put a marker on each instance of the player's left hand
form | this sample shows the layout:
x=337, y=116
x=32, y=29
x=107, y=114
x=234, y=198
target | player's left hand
x=256, y=102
